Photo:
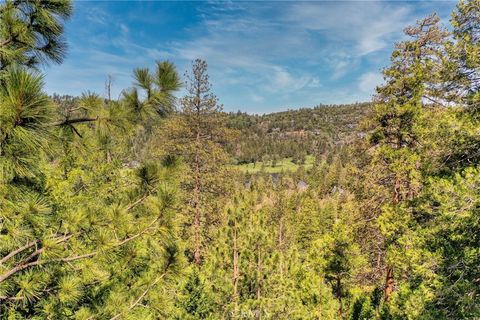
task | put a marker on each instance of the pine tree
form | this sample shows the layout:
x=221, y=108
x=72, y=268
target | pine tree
x=25, y=114
x=399, y=117
x=197, y=135
x=66, y=238
x=461, y=84
x=197, y=303
x=158, y=87
x=451, y=231
x=150, y=101
x=31, y=32
x=461, y=73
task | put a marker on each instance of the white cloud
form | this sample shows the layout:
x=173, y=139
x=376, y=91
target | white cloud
x=158, y=54
x=256, y=98
x=94, y=15
x=314, y=83
x=255, y=40
x=252, y=45
x=280, y=80
x=340, y=67
x=124, y=28
x=369, y=81
x=366, y=27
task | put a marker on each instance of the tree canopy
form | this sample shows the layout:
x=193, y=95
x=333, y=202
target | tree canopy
x=138, y=207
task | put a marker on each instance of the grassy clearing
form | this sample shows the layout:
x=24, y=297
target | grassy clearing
x=280, y=166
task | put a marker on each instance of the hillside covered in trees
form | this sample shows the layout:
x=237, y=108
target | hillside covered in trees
x=295, y=133
x=131, y=208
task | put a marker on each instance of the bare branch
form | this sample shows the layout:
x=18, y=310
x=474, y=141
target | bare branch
x=72, y=121
x=17, y=251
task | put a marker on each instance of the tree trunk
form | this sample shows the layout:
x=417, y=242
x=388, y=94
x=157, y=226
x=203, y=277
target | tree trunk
x=236, y=270
x=258, y=312
x=389, y=284
x=389, y=279
x=197, y=210
x=396, y=191
x=259, y=274
x=339, y=297
x=280, y=245
x=197, y=258
x=320, y=310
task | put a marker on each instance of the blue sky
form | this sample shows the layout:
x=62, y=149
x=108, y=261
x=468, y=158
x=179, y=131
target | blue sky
x=262, y=56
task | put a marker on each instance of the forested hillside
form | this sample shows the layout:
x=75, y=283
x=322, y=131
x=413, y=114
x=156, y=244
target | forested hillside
x=295, y=133
x=130, y=208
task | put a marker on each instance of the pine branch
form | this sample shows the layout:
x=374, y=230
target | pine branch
x=24, y=264
x=137, y=202
x=17, y=251
x=138, y=234
x=76, y=131
x=29, y=245
x=11, y=298
x=4, y=43
x=144, y=293
x=72, y=121
x=73, y=258
x=39, y=251
x=16, y=269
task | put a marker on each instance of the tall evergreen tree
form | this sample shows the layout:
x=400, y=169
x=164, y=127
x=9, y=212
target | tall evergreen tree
x=197, y=135
x=64, y=253
x=399, y=117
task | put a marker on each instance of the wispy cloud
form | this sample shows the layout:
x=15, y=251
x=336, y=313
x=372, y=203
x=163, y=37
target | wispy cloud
x=362, y=28
x=369, y=81
x=262, y=56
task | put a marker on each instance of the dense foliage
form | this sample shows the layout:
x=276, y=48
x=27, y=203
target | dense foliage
x=132, y=209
